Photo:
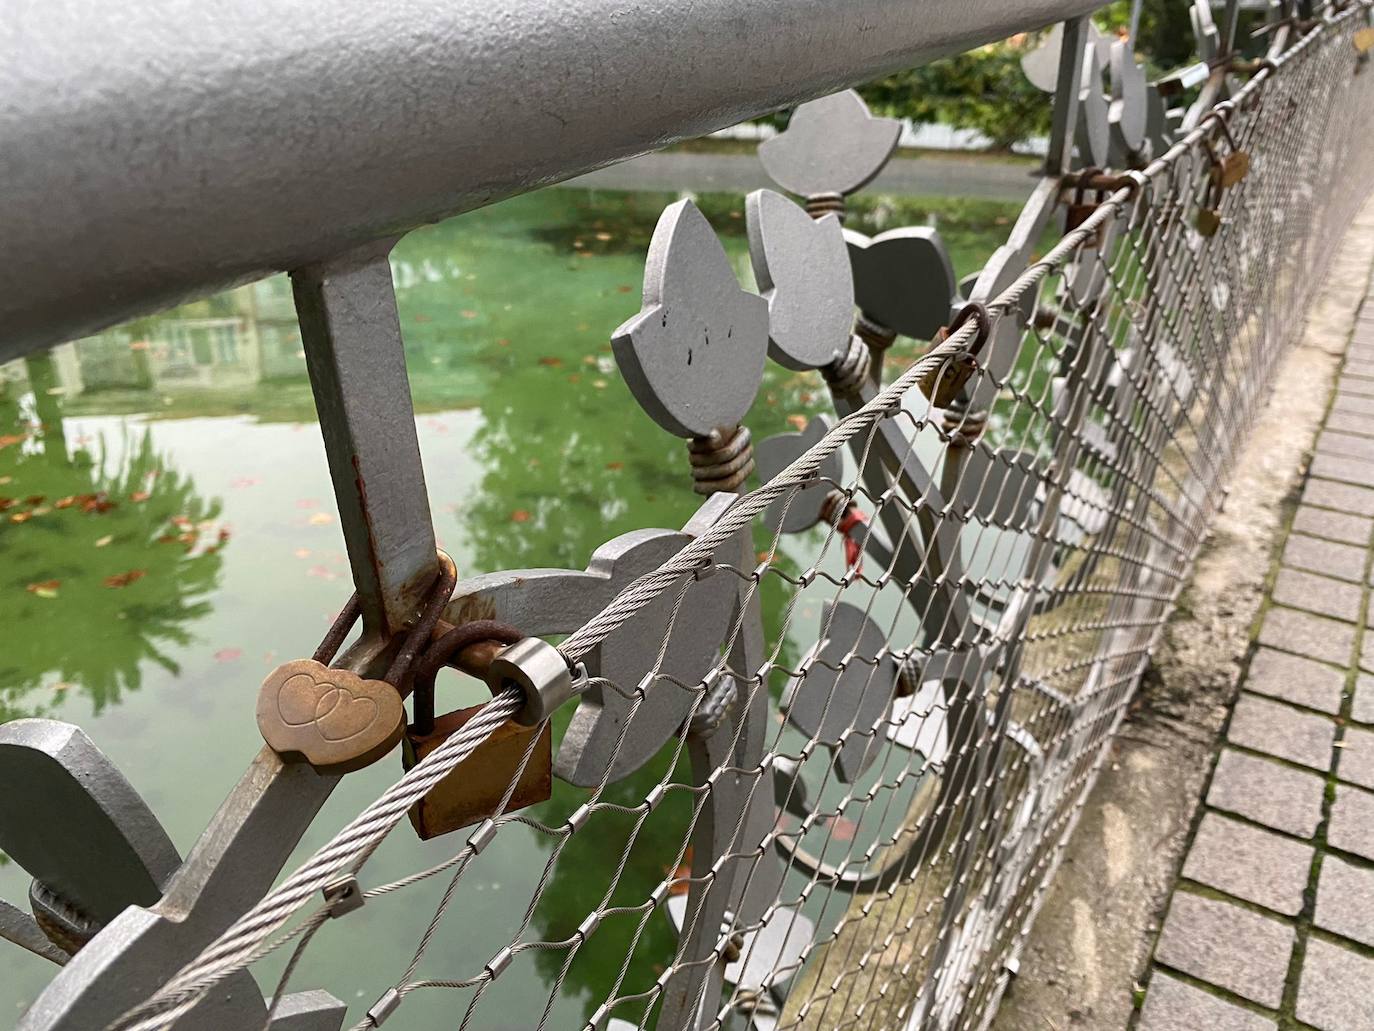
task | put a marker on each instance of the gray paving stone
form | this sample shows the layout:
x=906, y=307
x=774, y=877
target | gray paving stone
x=1362, y=708
x=1322, y=594
x=1356, y=764
x=1172, y=1005
x=1295, y=679
x=1355, y=385
x=1334, y=993
x=1267, y=792
x=1227, y=946
x=1313, y=636
x=1345, y=900
x=1252, y=864
x=1344, y=497
x=1338, y=526
x=1280, y=730
x=1345, y=422
x=1352, y=822
x=1356, y=405
x=1349, y=470
x=1331, y=558
x=1346, y=445
x=1358, y=367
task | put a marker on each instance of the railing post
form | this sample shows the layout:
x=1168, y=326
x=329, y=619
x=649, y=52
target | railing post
x=352, y=336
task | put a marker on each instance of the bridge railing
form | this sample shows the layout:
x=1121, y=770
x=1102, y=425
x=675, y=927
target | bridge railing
x=822, y=747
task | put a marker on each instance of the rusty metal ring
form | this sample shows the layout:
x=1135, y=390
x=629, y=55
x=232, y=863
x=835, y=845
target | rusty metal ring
x=973, y=309
x=441, y=652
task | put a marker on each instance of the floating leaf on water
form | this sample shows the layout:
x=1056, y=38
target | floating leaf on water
x=139, y=496
x=35, y=499
x=520, y=515
x=102, y=541
x=244, y=481
x=302, y=553
x=468, y=313
x=322, y=573
x=307, y=502
x=615, y=466
x=600, y=384
x=139, y=345
x=125, y=579
x=321, y=519
x=797, y=422
x=623, y=288
x=45, y=588
x=12, y=438
x=228, y=654
x=605, y=237
x=6, y=479
x=21, y=517
x=550, y=361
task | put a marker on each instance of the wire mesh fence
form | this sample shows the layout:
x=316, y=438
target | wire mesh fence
x=833, y=735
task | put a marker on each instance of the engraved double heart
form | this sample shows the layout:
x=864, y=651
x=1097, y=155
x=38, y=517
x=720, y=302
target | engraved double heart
x=335, y=710
x=332, y=718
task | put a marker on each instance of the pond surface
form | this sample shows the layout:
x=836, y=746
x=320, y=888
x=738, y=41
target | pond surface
x=169, y=535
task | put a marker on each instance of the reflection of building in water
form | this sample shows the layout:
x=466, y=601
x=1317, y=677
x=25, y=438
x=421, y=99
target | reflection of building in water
x=236, y=338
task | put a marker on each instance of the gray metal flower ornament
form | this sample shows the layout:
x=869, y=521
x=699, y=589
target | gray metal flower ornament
x=831, y=146
x=802, y=268
x=694, y=355
x=1093, y=131
x=903, y=279
x=1129, y=108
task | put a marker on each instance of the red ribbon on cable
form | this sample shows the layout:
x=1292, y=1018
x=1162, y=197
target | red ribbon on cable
x=850, y=522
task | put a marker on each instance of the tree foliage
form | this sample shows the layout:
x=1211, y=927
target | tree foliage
x=982, y=89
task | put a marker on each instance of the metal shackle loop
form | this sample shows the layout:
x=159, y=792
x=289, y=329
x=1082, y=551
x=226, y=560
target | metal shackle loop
x=439, y=593
x=540, y=672
x=445, y=651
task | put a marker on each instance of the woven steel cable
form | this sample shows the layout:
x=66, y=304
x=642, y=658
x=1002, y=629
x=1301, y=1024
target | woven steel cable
x=237, y=946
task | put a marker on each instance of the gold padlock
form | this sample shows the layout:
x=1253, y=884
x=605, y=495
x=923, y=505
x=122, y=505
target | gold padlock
x=1208, y=221
x=472, y=791
x=1234, y=167
x=1364, y=40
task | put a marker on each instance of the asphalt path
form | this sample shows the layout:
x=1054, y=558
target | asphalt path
x=954, y=176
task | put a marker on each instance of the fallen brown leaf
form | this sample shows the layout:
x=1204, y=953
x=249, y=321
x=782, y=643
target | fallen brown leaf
x=125, y=579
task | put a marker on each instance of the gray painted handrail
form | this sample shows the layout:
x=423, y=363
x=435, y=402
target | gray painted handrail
x=156, y=152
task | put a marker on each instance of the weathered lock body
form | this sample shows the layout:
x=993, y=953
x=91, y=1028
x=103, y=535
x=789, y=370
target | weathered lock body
x=1080, y=209
x=473, y=790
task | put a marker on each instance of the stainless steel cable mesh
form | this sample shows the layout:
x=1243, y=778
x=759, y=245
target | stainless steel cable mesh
x=877, y=774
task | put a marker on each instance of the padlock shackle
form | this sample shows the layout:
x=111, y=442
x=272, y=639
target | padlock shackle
x=441, y=652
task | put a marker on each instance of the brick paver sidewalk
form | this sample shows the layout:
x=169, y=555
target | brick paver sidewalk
x=1271, y=924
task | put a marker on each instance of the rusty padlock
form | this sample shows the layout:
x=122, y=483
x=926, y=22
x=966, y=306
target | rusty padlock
x=1234, y=167
x=1080, y=210
x=473, y=790
x=943, y=383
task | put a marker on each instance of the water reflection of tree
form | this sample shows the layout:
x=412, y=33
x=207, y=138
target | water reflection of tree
x=106, y=562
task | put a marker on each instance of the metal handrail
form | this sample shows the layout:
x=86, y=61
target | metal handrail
x=153, y=153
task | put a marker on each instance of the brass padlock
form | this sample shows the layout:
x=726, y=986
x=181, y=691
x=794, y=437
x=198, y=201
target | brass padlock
x=334, y=719
x=472, y=791
x=1208, y=221
x=1234, y=167
x=1364, y=40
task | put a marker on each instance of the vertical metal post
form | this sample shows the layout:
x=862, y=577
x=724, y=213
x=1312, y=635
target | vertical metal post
x=1059, y=156
x=352, y=335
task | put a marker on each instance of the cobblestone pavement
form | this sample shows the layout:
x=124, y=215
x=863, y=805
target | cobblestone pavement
x=1271, y=923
